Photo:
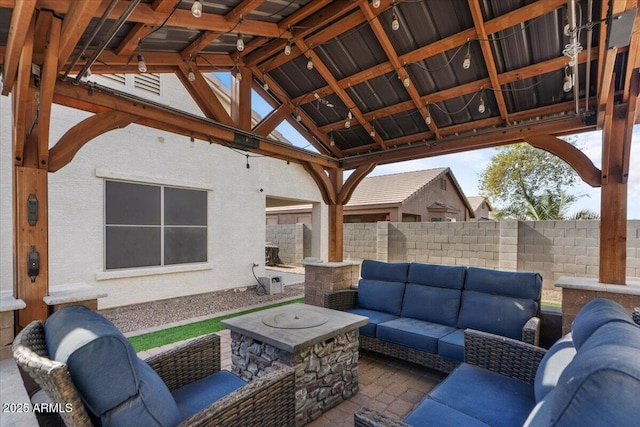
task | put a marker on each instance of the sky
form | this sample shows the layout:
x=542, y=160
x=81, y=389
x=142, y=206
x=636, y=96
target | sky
x=468, y=166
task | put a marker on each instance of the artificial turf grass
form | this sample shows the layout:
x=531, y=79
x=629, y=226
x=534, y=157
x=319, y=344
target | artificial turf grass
x=178, y=333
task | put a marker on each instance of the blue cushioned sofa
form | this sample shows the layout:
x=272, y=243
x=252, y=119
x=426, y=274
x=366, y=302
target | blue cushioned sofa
x=89, y=368
x=590, y=377
x=418, y=312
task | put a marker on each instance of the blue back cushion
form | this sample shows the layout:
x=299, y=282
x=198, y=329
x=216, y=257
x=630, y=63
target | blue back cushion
x=438, y=305
x=380, y=296
x=598, y=388
x=594, y=314
x=384, y=271
x=551, y=366
x=516, y=284
x=496, y=314
x=442, y=276
x=105, y=368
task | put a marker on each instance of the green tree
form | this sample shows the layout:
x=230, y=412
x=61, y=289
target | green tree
x=523, y=182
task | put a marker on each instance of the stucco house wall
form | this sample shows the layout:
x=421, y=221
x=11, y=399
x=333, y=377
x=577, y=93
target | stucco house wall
x=235, y=205
x=418, y=203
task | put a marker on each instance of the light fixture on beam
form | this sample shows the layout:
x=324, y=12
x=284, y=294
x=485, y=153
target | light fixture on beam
x=481, y=107
x=375, y=4
x=196, y=9
x=287, y=48
x=407, y=81
x=191, y=76
x=142, y=66
x=427, y=118
x=240, y=43
x=395, y=23
x=309, y=64
x=347, y=123
x=466, y=63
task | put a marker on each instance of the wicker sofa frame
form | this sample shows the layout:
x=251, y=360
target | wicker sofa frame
x=266, y=401
x=505, y=356
x=346, y=299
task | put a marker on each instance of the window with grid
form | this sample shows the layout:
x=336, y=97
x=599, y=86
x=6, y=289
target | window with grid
x=153, y=225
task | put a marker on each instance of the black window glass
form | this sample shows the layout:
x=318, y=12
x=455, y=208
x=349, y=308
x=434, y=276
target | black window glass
x=129, y=247
x=185, y=207
x=185, y=244
x=132, y=204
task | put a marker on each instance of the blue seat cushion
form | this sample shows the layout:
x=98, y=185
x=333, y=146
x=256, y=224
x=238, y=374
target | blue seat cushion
x=496, y=314
x=614, y=333
x=516, y=284
x=451, y=346
x=197, y=395
x=594, y=314
x=438, y=305
x=430, y=413
x=442, y=276
x=375, y=318
x=599, y=387
x=112, y=381
x=413, y=333
x=380, y=296
x=384, y=271
x=492, y=398
x=551, y=366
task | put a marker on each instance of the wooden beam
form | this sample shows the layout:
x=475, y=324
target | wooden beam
x=164, y=118
x=632, y=113
x=241, y=98
x=203, y=95
x=269, y=123
x=75, y=138
x=570, y=154
x=74, y=24
x=497, y=137
x=48, y=78
x=23, y=98
x=205, y=39
x=323, y=182
x=352, y=182
x=129, y=44
x=487, y=54
x=336, y=219
x=18, y=30
x=242, y=9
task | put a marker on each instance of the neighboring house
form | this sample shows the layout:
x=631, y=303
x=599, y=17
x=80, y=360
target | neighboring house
x=419, y=196
x=481, y=208
x=145, y=214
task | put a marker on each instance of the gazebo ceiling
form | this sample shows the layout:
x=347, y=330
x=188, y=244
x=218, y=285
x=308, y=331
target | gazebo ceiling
x=359, y=90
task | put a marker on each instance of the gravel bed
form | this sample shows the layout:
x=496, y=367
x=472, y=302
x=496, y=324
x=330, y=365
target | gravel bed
x=139, y=316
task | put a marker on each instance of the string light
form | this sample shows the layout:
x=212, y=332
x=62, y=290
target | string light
x=375, y=4
x=427, y=118
x=298, y=116
x=196, y=9
x=567, y=83
x=395, y=24
x=373, y=131
x=287, y=48
x=192, y=75
x=481, y=107
x=309, y=64
x=265, y=86
x=238, y=75
x=347, y=123
x=142, y=66
x=332, y=141
x=407, y=81
x=240, y=43
x=467, y=58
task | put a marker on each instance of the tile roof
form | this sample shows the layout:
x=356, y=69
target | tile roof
x=394, y=188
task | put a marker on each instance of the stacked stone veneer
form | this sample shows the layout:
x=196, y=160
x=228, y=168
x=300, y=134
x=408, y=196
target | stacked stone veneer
x=326, y=373
x=323, y=277
x=552, y=248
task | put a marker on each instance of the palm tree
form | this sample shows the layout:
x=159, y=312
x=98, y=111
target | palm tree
x=550, y=206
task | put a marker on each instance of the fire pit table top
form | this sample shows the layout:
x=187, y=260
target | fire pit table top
x=294, y=326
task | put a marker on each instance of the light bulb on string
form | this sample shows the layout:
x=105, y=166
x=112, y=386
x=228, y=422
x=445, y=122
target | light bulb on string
x=395, y=24
x=309, y=64
x=481, y=107
x=347, y=123
x=467, y=58
x=298, y=117
x=240, y=43
x=238, y=76
x=332, y=141
x=142, y=66
x=372, y=134
x=196, y=9
x=427, y=118
x=407, y=81
x=265, y=86
x=191, y=76
x=375, y=4
x=287, y=48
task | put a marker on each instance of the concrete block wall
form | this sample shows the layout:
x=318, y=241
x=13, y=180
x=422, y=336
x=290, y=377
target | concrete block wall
x=360, y=241
x=284, y=236
x=551, y=248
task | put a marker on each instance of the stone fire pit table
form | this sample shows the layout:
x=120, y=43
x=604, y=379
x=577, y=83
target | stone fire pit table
x=321, y=344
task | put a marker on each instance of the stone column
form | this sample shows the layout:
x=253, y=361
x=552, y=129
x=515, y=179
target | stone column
x=382, y=243
x=577, y=291
x=322, y=277
x=8, y=306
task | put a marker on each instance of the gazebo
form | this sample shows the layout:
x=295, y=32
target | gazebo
x=365, y=82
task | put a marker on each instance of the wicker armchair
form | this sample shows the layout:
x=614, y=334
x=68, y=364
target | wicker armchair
x=506, y=356
x=267, y=401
